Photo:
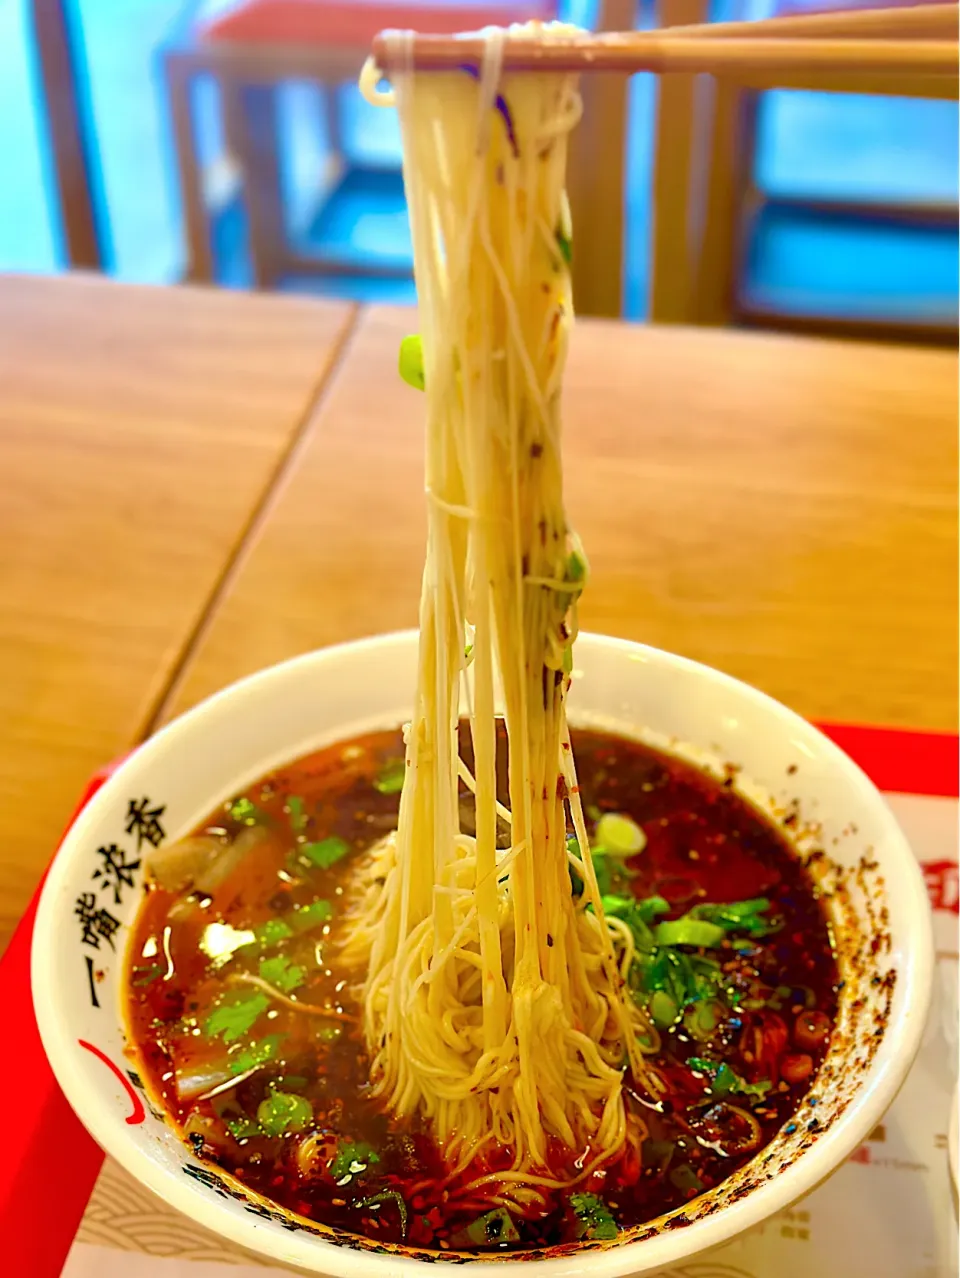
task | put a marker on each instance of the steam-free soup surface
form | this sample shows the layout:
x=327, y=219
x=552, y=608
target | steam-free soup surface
x=248, y=1029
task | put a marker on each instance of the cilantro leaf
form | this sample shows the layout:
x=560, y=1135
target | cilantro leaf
x=301, y=919
x=353, y=1158
x=273, y=932
x=594, y=1218
x=325, y=853
x=257, y=1054
x=308, y=916
x=283, y=1112
x=724, y=1080
x=232, y=1020
x=279, y=971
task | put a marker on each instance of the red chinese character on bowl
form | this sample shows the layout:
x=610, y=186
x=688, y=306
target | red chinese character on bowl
x=942, y=885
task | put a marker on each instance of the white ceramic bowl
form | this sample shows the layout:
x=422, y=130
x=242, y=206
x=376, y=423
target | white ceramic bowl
x=840, y=822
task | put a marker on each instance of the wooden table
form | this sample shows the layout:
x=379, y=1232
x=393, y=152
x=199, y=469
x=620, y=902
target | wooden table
x=782, y=508
x=140, y=431
x=182, y=505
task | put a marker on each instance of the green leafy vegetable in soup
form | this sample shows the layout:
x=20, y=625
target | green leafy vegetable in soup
x=594, y=1218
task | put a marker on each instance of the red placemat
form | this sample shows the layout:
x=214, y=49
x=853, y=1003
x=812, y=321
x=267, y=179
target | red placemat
x=47, y=1146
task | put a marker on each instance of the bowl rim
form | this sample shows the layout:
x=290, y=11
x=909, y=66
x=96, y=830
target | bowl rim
x=315, y=1254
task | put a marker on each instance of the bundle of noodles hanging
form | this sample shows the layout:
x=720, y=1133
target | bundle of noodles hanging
x=493, y=999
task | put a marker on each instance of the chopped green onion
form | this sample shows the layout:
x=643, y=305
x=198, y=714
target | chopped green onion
x=663, y=1010
x=577, y=567
x=564, y=244
x=632, y=911
x=493, y=1227
x=651, y=906
x=739, y=916
x=688, y=931
x=390, y=780
x=411, y=362
x=283, y=1112
x=297, y=813
x=243, y=1128
x=601, y=868
x=648, y=1042
x=353, y=1158
x=245, y=812
x=703, y=1018
x=620, y=834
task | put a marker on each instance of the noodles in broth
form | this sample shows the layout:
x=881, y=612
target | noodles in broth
x=493, y=999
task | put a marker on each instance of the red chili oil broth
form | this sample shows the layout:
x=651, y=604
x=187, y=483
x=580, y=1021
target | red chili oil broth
x=369, y=1173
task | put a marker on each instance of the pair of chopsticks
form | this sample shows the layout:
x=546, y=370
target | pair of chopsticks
x=919, y=40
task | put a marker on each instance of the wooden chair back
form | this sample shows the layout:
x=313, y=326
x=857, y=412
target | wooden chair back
x=62, y=68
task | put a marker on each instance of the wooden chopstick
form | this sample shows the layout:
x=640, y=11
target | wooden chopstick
x=668, y=50
x=915, y=22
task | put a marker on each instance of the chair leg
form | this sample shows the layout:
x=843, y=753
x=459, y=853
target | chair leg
x=595, y=180
x=732, y=131
x=672, y=242
x=334, y=119
x=75, y=161
x=250, y=121
x=595, y=189
x=179, y=74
